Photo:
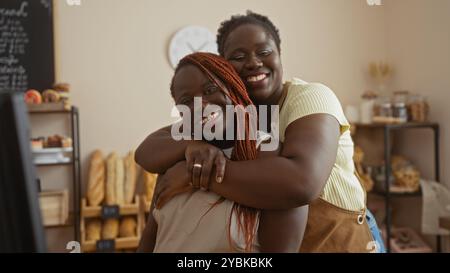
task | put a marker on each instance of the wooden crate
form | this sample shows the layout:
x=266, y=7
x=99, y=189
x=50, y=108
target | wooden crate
x=54, y=207
x=121, y=243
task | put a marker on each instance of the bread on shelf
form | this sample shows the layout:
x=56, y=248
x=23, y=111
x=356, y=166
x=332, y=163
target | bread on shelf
x=96, y=183
x=110, y=197
x=130, y=177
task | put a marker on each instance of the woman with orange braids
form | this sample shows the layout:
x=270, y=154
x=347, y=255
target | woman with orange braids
x=314, y=167
x=201, y=221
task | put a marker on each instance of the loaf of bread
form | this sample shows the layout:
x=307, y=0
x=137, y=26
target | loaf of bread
x=93, y=230
x=111, y=179
x=128, y=227
x=149, y=184
x=96, y=183
x=119, y=187
x=130, y=177
x=110, y=229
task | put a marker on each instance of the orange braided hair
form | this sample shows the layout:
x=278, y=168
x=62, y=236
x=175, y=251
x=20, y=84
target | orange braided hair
x=244, y=148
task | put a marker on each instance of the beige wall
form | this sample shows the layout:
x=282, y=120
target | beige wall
x=114, y=53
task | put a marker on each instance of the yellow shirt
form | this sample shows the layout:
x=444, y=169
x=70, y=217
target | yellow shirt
x=342, y=188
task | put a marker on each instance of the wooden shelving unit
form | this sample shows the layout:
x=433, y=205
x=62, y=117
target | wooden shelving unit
x=120, y=243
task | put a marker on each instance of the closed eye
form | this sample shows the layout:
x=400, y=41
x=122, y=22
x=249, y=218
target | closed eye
x=238, y=58
x=266, y=52
x=211, y=89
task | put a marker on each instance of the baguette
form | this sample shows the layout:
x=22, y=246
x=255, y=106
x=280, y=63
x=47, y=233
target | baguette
x=111, y=179
x=130, y=177
x=96, y=183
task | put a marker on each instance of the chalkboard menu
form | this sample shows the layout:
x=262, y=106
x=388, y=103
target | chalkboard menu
x=26, y=45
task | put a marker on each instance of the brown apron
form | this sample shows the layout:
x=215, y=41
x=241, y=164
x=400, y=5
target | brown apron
x=334, y=229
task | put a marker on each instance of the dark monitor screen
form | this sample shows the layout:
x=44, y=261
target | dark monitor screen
x=21, y=228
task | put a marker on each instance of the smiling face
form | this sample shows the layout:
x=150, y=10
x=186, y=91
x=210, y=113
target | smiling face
x=190, y=82
x=253, y=53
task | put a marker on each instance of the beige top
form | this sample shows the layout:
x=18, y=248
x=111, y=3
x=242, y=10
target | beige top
x=342, y=188
x=188, y=223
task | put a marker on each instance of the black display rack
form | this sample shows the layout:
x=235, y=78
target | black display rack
x=74, y=163
x=386, y=194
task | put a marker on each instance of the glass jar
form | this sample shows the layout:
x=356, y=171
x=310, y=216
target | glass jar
x=367, y=107
x=418, y=108
x=400, y=111
x=384, y=107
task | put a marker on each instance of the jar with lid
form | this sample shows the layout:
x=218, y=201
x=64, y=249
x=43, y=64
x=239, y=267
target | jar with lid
x=384, y=107
x=367, y=107
x=418, y=108
x=400, y=111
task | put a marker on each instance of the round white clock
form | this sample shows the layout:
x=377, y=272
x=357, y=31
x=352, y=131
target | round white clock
x=191, y=39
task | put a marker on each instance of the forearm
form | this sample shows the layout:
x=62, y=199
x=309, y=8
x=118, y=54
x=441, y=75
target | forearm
x=269, y=183
x=159, y=151
x=282, y=230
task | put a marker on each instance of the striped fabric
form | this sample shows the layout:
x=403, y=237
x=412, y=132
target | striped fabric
x=343, y=188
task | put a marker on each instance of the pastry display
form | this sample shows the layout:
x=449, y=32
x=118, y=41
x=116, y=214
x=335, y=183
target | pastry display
x=32, y=97
x=111, y=179
x=55, y=141
x=130, y=178
x=112, y=182
x=96, y=183
x=405, y=173
x=128, y=227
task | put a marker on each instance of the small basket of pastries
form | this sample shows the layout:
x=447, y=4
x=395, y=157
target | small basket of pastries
x=111, y=187
x=54, y=99
x=407, y=177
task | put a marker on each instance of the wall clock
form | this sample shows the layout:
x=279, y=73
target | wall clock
x=191, y=39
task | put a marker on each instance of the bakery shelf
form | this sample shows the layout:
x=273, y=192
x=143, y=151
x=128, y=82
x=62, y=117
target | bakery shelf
x=397, y=194
x=134, y=210
x=91, y=211
x=398, y=125
x=52, y=150
x=387, y=130
x=49, y=108
x=120, y=243
x=54, y=164
x=72, y=111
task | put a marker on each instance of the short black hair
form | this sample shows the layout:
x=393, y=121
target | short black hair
x=250, y=18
